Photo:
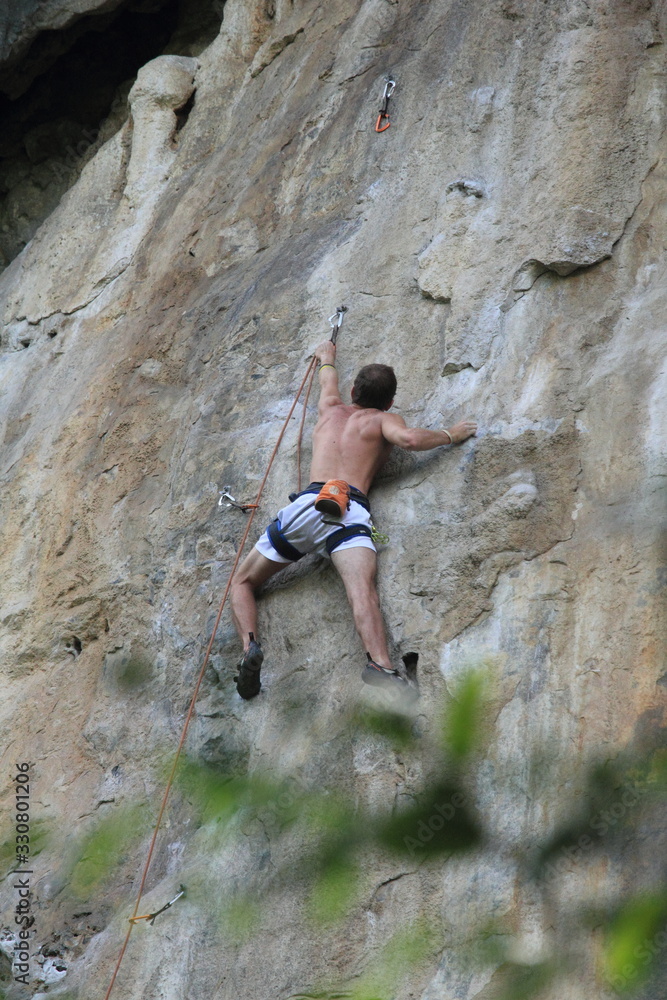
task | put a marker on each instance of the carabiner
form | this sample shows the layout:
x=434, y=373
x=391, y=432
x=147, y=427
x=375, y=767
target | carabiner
x=227, y=500
x=383, y=114
x=336, y=321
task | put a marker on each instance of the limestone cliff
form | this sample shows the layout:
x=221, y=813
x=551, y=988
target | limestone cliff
x=502, y=245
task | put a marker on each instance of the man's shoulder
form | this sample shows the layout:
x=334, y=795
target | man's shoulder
x=369, y=422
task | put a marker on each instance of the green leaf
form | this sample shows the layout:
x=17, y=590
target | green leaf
x=636, y=935
x=463, y=718
x=440, y=823
x=334, y=892
x=106, y=848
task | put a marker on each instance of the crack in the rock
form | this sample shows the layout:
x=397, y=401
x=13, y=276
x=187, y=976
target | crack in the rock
x=275, y=49
x=394, y=878
x=638, y=205
x=516, y=294
x=356, y=75
x=71, y=312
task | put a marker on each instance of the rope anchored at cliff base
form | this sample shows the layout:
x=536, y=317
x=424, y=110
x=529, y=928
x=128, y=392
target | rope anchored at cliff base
x=251, y=508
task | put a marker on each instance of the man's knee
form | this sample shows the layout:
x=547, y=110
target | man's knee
x=254, y=571
x=361, y=589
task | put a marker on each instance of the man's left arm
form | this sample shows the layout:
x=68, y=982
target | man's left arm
x=328, y=376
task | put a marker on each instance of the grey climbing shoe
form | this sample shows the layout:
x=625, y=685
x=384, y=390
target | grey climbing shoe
x=389, y=679
x=247, y=680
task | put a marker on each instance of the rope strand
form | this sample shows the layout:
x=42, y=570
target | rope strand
x=313, y=365
x=172, y=775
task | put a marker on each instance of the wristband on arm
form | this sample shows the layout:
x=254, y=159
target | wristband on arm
x=445, y=431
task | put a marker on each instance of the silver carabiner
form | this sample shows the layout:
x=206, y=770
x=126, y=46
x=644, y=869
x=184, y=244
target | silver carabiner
x=227, y=500
x=389, y=89
x=338, y=318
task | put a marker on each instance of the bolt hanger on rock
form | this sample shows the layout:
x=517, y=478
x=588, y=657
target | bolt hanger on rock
x=389, y=88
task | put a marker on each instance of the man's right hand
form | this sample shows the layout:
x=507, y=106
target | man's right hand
x=325, y=353
x=461, y=431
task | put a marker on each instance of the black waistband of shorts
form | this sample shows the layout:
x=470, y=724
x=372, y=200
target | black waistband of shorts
x=355, y=494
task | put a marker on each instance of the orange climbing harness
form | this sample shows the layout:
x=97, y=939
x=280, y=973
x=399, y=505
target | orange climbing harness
x=389, y=89
x=310, y=372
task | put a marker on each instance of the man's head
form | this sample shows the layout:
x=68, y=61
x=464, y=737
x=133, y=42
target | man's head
x=374, y=386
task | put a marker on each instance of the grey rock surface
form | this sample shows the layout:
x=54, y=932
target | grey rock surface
x=502, y=245
x=22, y=20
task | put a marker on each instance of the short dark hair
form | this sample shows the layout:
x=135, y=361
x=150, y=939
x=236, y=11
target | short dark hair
x=374, y=387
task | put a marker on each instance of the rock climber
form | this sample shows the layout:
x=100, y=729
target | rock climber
x=351, y=442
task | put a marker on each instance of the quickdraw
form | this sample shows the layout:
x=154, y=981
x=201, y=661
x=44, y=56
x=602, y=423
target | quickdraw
x=228, y=500
x=389, y=89
x=336, y=321
x=150, y=917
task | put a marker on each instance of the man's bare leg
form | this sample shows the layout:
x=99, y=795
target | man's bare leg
x=255, y=570
x=357, y=568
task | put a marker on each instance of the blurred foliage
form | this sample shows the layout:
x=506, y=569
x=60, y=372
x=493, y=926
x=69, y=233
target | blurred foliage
x=636, y=935
x=240, y=918
x=523, y=982
x=320, y=840
x=335, y=890
x=106, y=848
x=440, y=823
x=463, y=718
x=589, y=819
x=397, y=729
x=136, y=672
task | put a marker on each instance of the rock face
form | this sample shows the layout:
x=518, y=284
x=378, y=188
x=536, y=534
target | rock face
x=502, y=245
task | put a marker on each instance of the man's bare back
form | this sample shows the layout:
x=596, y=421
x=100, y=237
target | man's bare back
x=348, y=444
x=353, y=442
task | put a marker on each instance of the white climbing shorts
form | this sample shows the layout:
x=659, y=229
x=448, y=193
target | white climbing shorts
x=299, y=529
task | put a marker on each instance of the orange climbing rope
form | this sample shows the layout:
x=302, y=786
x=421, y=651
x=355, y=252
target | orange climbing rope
x=301, y=425
x=172, y=775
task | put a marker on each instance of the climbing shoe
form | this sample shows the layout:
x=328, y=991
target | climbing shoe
x=387, y=678
x=247, y=681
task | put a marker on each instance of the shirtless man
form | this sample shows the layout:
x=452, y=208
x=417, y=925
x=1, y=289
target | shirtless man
x=350, y=443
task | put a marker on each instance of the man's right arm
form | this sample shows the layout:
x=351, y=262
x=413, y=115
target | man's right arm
x=395, y=431
x=325, y=355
